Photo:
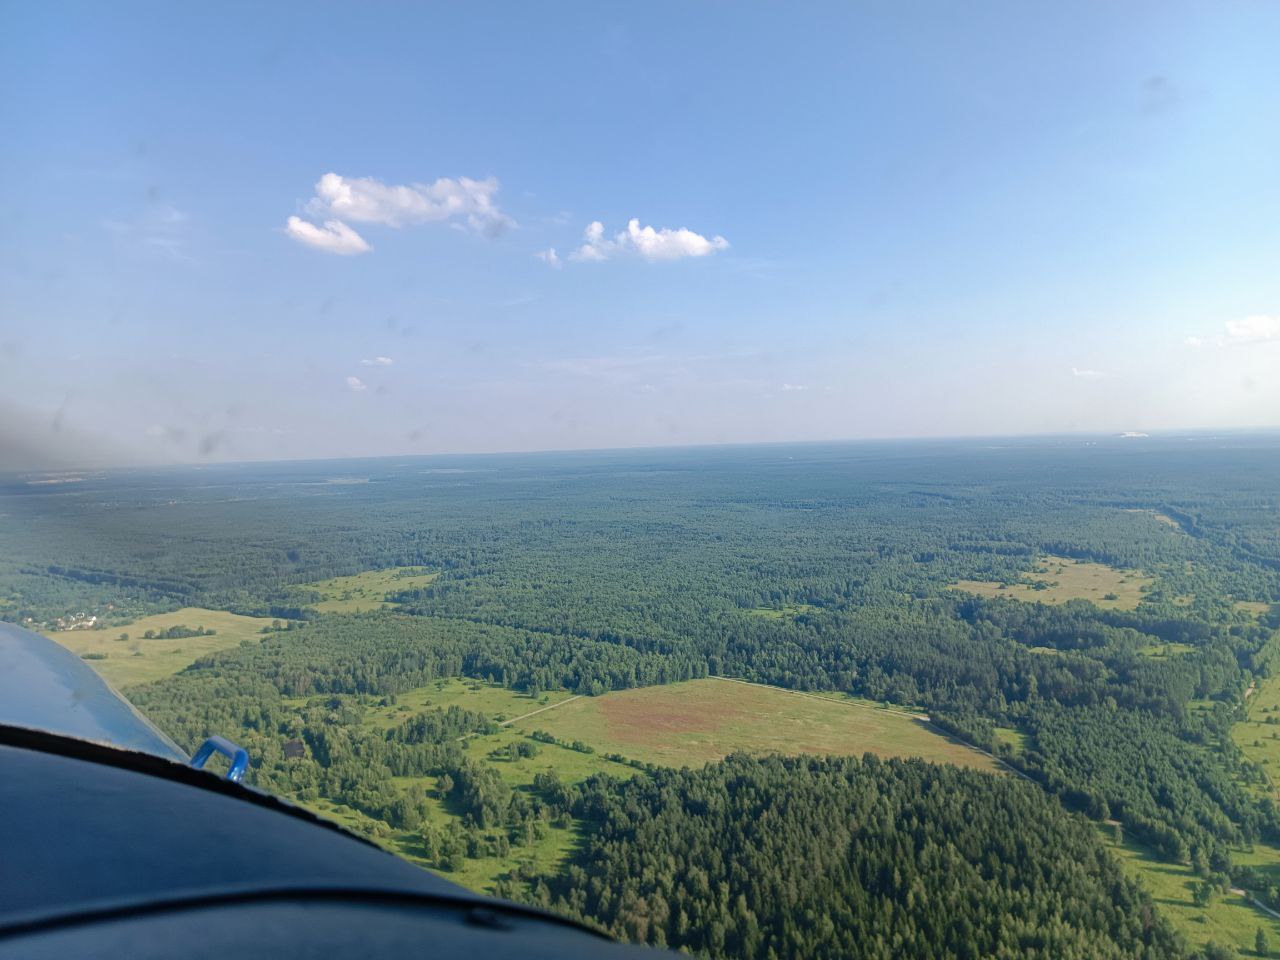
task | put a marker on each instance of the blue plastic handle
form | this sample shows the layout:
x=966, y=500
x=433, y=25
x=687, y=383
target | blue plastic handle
x=238, y=756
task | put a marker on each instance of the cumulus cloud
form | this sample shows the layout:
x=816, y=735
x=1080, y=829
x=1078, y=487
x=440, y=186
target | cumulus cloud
x=549, y=257
x=1086, y=373
x=356, y=384
x=1194, y=342
x=1258, y=328
x=377, y=362
x=366, y=200
x=466, y=203
x=333, y=237
x=645, y=242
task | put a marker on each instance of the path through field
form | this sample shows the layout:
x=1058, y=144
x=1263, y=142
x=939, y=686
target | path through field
x=507, y=723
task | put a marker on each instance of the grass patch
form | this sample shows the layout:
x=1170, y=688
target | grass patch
x=1172, y=649
x=549, y=852
x=1015, y=739
x=1161, y=518
x=136, y=660
x=1059, y=579
x=1228, y=918
x=497, y=702
x=787, y=611
x=1256, y=608
x=571, y=766
x=688, y=724
x=369, y=590
x=481, y=873
x=1258, y=734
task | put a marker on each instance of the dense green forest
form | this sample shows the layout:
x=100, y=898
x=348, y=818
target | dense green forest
x=818, y=568
x=845, y=858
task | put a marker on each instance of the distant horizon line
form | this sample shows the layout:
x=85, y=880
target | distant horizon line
x=1189, y=433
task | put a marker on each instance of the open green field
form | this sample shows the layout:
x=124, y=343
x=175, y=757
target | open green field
x=688, y=724
x=1258, y=734
x=500, y=703
x=1228, y=919
x=1059, y=579
x=369, y=590
x=136, y=660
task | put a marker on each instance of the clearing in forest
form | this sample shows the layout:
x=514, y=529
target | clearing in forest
x=517, y=769
x=123, y=655
x=1228, y=918
x=688, y=724
x=786, y=611
x=499, y=703
x=369, y=590
x=1258, y=734
x=1059, y=579
x=1161, y=518
x=1255, y=608
x=675, y=725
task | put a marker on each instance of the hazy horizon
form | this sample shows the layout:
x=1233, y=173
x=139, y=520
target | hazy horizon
x=28, y=462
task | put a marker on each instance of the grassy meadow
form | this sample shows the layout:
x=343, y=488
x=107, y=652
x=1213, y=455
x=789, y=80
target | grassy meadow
x=367, y=591
x=500, y=703
x=1258, y=734
x=137, y=660
x=691, y=723
x=1228, y=919
x=1059, y=579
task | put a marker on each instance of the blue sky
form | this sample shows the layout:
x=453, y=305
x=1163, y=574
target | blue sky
x=852, y=220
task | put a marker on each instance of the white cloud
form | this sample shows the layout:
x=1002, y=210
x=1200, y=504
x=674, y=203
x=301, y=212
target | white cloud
x=645, y=242
x=1258, y=328
x=334, y=237
x=1086, y=373
x=549, y=257
x=377, y=362
x=356, y=384
x=366, y=200
x=793, y=387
